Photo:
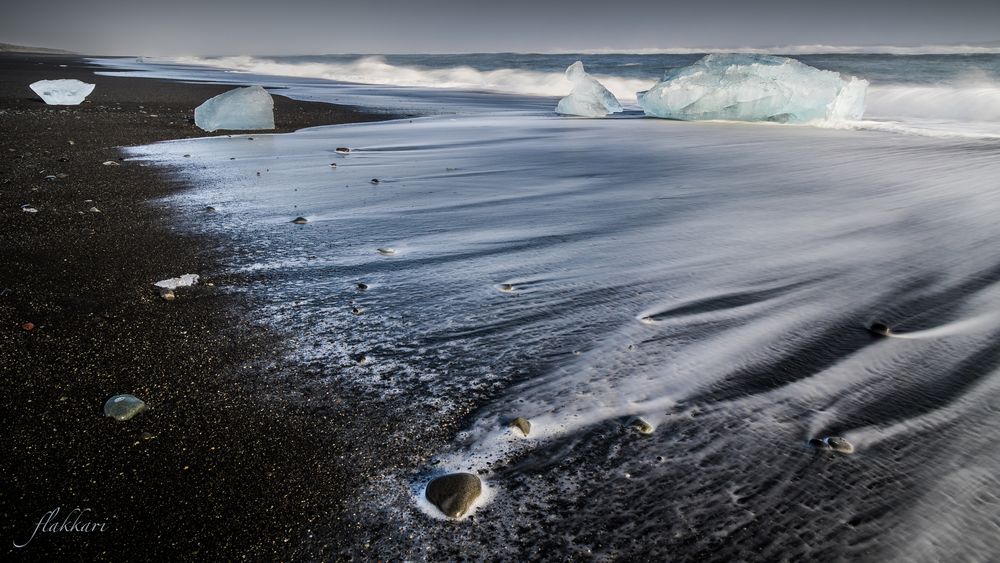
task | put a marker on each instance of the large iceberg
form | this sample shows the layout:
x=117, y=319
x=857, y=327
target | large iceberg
x=63, y=92
x=754, y=88
x=589, y=98
x=242, y=109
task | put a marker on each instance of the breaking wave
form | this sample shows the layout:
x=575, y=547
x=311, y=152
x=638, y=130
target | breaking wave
x=815, y=49
x=965, y=108
x=375, y=70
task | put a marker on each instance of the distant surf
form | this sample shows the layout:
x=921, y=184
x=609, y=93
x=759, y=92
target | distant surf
x=955, y=94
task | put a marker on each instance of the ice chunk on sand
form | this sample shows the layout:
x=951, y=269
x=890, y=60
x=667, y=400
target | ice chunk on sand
x=754, y=88
x=588, y=98
x=247, y=108
x=174, y=283
x=63, y=92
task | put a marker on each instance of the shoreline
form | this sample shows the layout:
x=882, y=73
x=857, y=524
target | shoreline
x=215, y=468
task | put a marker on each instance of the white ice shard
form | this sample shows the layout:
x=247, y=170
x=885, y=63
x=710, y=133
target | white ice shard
x=63, y=92
x=589, y=98
x=173, y=283
x=747, y=87
x=243, y=109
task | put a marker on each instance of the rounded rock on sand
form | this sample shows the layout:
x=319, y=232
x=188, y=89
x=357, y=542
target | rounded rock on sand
x=300, y=220
x=123, y=407
x=880, y=329
x=455, y=493
x=840, y=445
x=362, y=286
x=818, y=443
x=167, y=294
x=522, y=424
x=641, y=426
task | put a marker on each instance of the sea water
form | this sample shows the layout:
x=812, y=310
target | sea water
x=714, y=278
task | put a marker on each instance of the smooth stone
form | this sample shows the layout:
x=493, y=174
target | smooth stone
x=522, y=424
x=123, y=407
x=362, y=286
x=455, y=493
x=387, y=251
x=300, y=220
x=641, y=425
x=167, y=294
x=838, y=444
x=818, y=443
x=880, y=329
x=343, y=150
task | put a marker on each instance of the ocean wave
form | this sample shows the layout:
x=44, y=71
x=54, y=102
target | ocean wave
x=815, y=49
x=967, y=108
x=375, y=70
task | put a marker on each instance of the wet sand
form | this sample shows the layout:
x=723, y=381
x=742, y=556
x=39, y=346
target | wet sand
x=216, y=468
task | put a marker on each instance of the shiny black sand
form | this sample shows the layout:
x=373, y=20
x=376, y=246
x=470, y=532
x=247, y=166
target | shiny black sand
x=215, y=468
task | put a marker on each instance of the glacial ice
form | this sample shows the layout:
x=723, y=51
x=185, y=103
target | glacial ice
x=589, y=98
x=62, y=92
x=747, y=87
x=183, y=281
x=247, y=108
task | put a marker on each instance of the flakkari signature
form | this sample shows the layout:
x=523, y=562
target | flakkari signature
x=48, y=523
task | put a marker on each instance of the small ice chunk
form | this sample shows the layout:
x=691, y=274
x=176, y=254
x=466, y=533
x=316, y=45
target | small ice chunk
x=589, y=98
x=247, y=108
x=63, y=92
x=173, y=283
x=123, y=407
x=747, y=87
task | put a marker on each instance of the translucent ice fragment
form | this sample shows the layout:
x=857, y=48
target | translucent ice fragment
x=589, y=98
x=63, y=92
x=174, y=283
x=247, y=108
x=754, y=88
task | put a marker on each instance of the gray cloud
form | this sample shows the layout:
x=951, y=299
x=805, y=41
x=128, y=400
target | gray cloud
x=315, y=26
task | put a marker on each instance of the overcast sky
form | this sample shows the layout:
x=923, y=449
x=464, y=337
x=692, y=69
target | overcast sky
x=201, y=27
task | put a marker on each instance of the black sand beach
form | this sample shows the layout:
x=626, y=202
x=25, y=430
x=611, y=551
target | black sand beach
x=214, y=469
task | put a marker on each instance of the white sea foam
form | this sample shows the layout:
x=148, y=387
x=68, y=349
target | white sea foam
x=966, y=108
x=375, y=70
x=813, y=49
